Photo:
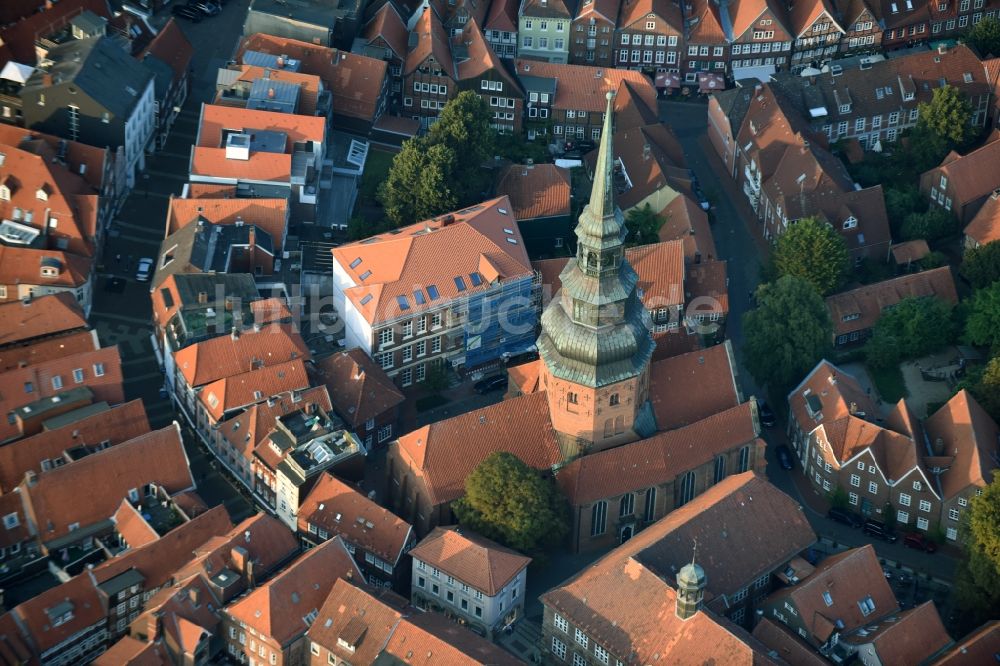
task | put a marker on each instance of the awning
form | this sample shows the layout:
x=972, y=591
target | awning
x=761, y=72
x=707, y=81
x=668, y=80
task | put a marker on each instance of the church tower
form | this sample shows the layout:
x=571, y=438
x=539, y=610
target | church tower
x=596, y=340
x=690, y=588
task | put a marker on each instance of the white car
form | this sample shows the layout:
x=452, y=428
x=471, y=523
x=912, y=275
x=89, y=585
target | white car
x=144, y=270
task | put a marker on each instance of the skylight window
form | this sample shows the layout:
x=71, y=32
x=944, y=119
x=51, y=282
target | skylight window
x=364, y=276
x=403, y=303
x=459, y=283
x=476, y=279
x=366, y=300
x=502, y=211
x=356, y=263
x=432, y=292
x=512, y=241
x=508, y=231
x=418, y=296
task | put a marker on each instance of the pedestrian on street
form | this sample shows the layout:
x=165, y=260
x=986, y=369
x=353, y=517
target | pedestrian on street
x=118, y=258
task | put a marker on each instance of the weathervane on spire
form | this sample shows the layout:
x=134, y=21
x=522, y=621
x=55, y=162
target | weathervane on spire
x=694, y=554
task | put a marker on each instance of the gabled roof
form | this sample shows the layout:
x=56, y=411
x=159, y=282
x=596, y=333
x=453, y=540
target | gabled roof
x=171, y=47
x=584, y=88
x=279, y=607
x=247, y=430
x=389, y=25
x=114, y=426
x=985, y=226
x=253, y=386
x=431, y=41
x=266, y=540
x=657, y=459
x=429, y=639
x=536, y=190
x=805, y=13
x=709, y=28
x=708, y=281
x=216, y=358
x=48, y=349
x=977, y=648
x=830, y=394
x=713, y=370
x=859, y=309
x=639, y=10
x=338, y=508
x=132, y=527
x=156, y=457
x=363, y=619
x=22, y=266
x=444, y=453
x=969, y=437
x=18, y=38
x=972, y=175
x=910, y=251
x=474, y=560
x=10, y=503
x=77, y=597
x=130, y=651
x=502, y=16
x=88, y=161
x=474, y=57
x=359, y=388
x=915, y=636
x=744, y=13
x=684, y=220
x=388, y=270
x=787, y=646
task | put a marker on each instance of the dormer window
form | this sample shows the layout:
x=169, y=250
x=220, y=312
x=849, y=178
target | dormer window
x=42, y=193
x=944, y=182
x=845, y=108
x=851, y=222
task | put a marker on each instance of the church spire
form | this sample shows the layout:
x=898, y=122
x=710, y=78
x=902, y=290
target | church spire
x=600, y=220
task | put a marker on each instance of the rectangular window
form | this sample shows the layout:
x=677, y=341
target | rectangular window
x=581, y=638
x=903, y=517
x=951, y=533
x=855, y=480
x=853, y=498
x=952, y=514
x=558, y=648
x=872, y=487
x=560, y=623
x=925, y=506
x=922, y=523
x=904, y=499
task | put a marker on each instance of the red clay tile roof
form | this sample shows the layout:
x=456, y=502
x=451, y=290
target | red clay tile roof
x=48, y=349
x=871, y=300
x=480, y=59
x=985, y=226
x=745, y=12
x=266, y=540
x=535, y=191
x=972, y=175
x=14, y=647
x=546, y=9
x=270, y=167
x=217, y=358
x=429, y=253
x=253, y=386
x=969, y=437
x=804, y=14
x=278, y=607
x=684, y=220
x=432, y=41
x=636, y=10
x=359, y=388
x=54, y=500
x=503, y=16
x=910, y=251
x=39, y=317
x=172, y=47
x=584, y=88
x=713, y=370
x=129, y=651
x=389, y=25
x=525, y=376
x=341, y=509
x=708, y=28
x=707, y=286
x=444, y=453
x=270, y=311
x=674, y=343
x=657, y=459
x=975, y=649
x=87, y=611
x=472, y=559
x=42, y=379
x=89, y=161
x=429, y=639
x=914, y=637
x=839, y=395
x=115, y=426
x=216, y=118
x=785, y=645
x=132, y=527
x=849, y=577
x=247, y=430
x=271, y=215
x=22, y=266
x=19, y=38
x=364, y=618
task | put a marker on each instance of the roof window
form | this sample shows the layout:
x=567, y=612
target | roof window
x=403, y=303
x=418, y=296
x=432, y=292
x=459, y=283
x=476, y=279
x=364, y=276
x=356, y=263
x=366, y=299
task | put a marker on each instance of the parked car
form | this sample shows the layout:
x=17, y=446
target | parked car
x=205, y=7
x=185, y=12
x=844, y=517
x=784, y=456
x=919, y=542
x=144, y=270
x=490, y=384
x=766, y=414
x=879, y=531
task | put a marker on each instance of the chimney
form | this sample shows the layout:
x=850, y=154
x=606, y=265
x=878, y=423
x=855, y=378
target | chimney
x=942, y=48
x=280, y=62
x=203, y=297
x=853, y=408
x=270, y=93
x=447, y=219
x=30, y=478
x=235, y=335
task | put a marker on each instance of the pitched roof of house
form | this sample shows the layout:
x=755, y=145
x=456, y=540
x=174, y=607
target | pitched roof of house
x=684, y=220
x=744, y=14
x=785, y=645
x=247, y=430
x=969, y=438
x=390, y=26
x=910, y=251
x=130, y=651
x=359, y=388
x=363, y=619
x=583, y=88
x=978, y=647
x=804, y=14
x=270, y=310
x=848, y=578
x=172, y=47
x=78, y=597
x=709, y=26
x=431, y=41
x=341, y=509
x=355, y=81
x=23, y=265
x=524, y=377
x=444, y=453
x=985, y=226
x=307, y=86
x=253, y=386
x=713, y=369
x=271, y=215
x=833, y=394
x=654, y=161
x=636, y=10
x=39, y=317
x=215, y=119
x=502, y=16
x=116, y=425
x=391, y=269
x=278, y=608
x=428, y=639
x=913, y=637
x=265, y=540
x=859, y=309
x=82, y=159
x=18, y=39
x=224, y=356
x=474, y=57
x=473, y=559
x=270, y=167
x=156, y=457
x=972, y=175
x=547, y=9
x=48, y=349
x=708, y=286
x=656, y=459
x=132, y=527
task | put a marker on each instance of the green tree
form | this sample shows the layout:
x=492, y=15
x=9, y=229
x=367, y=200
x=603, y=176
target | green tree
x=985, y=37
x=787, y=333
x=901, y=202
x=947, y=115
x=420, y=182
x=812, y=250
x=982, y=326
x=464, y=127
x=933, y=259
x=510, y=502
x=437, y=378
x=985, y=387
x=643, y=225
x=978, y=581
x=914, y=327
x=931, y=225
x=359, y=227
x=981, y=265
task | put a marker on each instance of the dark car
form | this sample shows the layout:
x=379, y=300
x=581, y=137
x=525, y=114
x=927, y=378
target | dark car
x=844, y=517
x=205, y=7
x=185, y=12
x=879, y=531
x=766, y=414
x=784, y=456
x=919, y=542
x=490, y=384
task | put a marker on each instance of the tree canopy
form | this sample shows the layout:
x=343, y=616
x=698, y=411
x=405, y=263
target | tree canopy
x=787, y=333
x=510, y=502
x=982, y=326
x=981, y=265
x=932, y=224
x=985, y=386
x=812, y=250
x=914, y=327
x=985, y=37
x=464, y=126
x=978, y=579
x=947, y=115
x=643, y=225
